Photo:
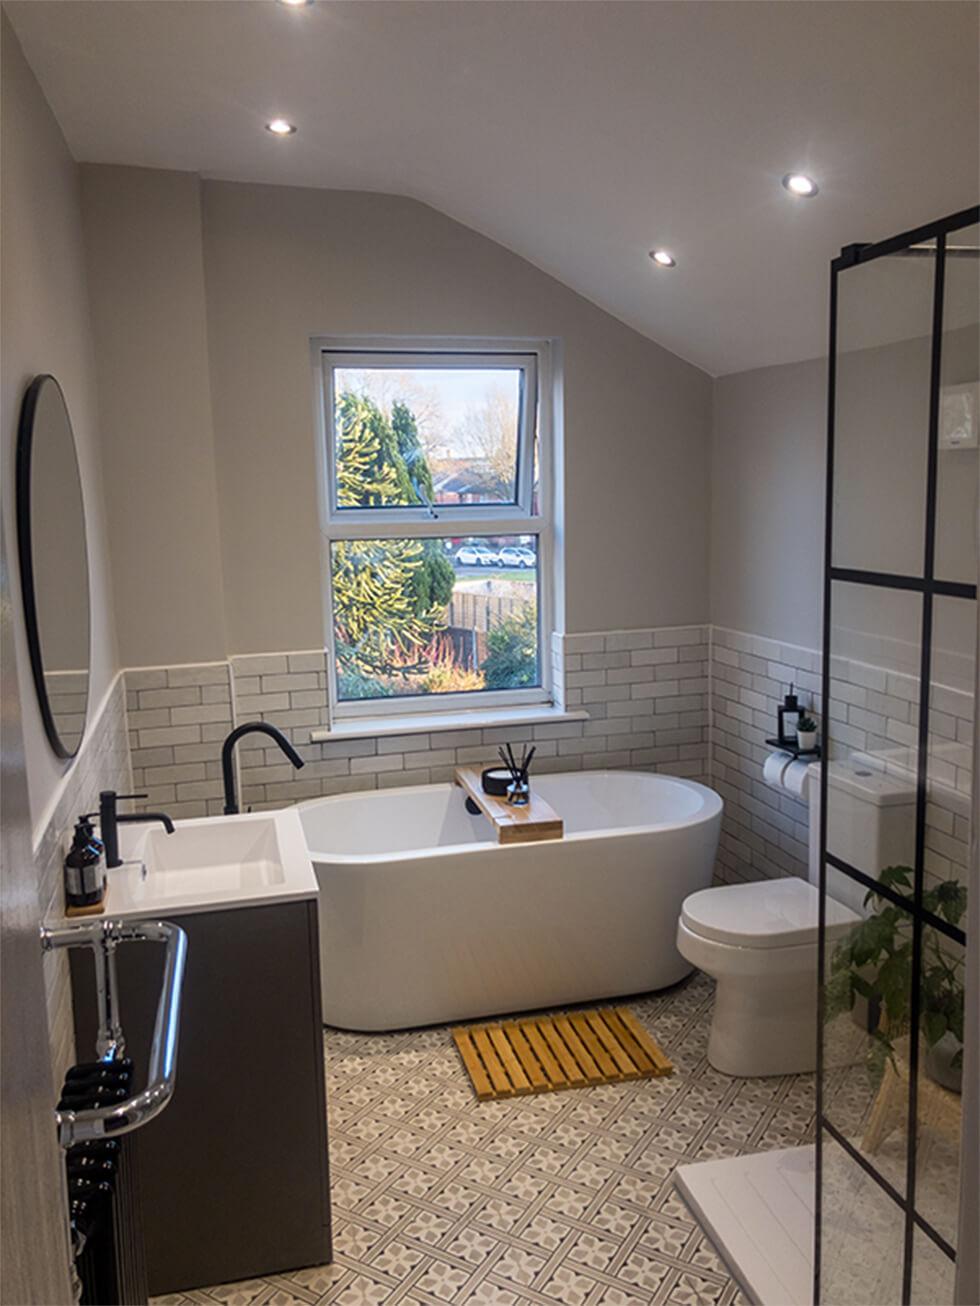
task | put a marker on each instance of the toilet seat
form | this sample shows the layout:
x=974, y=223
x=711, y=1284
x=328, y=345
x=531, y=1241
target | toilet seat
x=763, y=915
x=728, y=960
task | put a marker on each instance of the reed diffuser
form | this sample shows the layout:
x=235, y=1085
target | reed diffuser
x=518, y=791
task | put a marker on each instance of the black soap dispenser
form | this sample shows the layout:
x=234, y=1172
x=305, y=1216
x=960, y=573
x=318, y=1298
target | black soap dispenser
x=84, y=868
x=787, y=716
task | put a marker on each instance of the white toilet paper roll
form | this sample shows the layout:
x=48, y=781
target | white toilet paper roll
x=774, y=768
x=796, y=778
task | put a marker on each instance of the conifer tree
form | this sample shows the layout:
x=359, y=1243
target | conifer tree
x=406, y=431
x=388, y=595
x=434, y=581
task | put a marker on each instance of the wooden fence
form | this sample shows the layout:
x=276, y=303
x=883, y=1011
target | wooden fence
x=470, y=611
x=470, y=617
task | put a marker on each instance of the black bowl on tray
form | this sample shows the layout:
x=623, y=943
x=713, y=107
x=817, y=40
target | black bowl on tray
x=496, y=781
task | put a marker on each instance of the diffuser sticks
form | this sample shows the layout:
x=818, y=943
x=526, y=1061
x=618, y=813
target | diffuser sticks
x=518, y=791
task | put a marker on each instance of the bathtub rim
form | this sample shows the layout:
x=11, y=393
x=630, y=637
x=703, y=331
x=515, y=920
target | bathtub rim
x=712, y=809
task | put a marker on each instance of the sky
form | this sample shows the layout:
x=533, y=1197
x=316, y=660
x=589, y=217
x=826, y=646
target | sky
x=440, y=397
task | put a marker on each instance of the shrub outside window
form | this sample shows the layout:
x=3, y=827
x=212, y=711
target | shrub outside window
x=438, y=533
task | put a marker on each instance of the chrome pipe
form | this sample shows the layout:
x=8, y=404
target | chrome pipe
x=103, y=937
x=112, y=1037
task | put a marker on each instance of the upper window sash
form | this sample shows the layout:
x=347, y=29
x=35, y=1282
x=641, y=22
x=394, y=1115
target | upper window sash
x=525, y=361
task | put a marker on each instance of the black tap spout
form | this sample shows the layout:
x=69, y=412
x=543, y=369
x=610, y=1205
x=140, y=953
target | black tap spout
x=227, y=752
x=161, y=817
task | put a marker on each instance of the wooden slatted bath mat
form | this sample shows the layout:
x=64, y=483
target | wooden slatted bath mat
x=542, y=1055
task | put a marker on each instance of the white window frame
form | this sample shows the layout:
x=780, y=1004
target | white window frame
x=533, y=358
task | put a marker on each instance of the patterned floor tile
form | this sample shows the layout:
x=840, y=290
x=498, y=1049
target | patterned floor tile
x=568, y=1286
x=644, y=1271
x=490, y=1294
x=564, y=1198
x=591, y=1251
x=697, y=1290
x=620, y=1297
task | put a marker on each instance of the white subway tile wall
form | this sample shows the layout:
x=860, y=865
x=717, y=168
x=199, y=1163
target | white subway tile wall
x=695, y=701
x=68, y=700
x=874, y=715
x=102, y=763
x=646, y=693
x=764, y=830
x=178, y=719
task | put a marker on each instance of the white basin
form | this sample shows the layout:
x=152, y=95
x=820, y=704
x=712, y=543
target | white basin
x=212, y=862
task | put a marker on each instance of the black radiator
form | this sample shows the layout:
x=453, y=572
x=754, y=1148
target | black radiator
x=103, y=1193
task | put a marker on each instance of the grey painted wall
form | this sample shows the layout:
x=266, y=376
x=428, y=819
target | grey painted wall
x=46, y=327
x=282, y=265
x=143, y=241
x=768, y=472
x=767, y=506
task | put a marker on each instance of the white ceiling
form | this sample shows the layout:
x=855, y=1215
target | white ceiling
x=578, y=134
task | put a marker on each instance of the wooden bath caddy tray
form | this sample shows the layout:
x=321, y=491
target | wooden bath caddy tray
x=529, y=824
x=516, y=1057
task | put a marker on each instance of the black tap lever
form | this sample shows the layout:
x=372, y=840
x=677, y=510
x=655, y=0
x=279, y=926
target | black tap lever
x=110, y=819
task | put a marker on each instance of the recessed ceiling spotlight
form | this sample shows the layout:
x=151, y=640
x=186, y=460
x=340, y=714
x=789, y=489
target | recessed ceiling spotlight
x=296, y=4
x=663, y=259
x=798, y=183
x=280, y=127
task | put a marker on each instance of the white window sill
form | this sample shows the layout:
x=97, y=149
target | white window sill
x=417, y=723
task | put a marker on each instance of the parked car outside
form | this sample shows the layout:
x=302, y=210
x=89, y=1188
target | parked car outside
x=512, y=555
x=476, y=555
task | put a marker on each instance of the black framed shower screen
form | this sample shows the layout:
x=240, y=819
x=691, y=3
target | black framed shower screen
x=891, y=581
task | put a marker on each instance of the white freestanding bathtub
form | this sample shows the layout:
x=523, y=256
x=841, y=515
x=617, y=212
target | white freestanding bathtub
x=424, y=918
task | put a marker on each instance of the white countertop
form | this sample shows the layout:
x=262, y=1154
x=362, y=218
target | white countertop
x=215, y=863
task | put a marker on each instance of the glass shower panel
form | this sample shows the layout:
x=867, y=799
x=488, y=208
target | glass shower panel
x=871, y=734
x=938, y=1097
x=945, y=881
x=952, y=687
x=881, y=417
x=861, y=1235
x=933, y=1272
x=866, y=1002
x=898, y=788
x=959, y=412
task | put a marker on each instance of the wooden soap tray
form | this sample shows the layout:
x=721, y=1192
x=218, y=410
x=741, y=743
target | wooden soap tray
x=93, y=909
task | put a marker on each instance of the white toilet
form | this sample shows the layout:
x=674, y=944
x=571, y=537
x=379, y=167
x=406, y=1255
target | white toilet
x=759, y=940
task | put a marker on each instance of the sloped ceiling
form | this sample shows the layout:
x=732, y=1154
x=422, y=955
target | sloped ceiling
x=580, y=135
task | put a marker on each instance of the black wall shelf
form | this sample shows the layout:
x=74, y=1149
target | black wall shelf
x=812, y=753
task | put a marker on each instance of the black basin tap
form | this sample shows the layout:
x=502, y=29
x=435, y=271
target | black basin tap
x=227, y=750
x=110, y=820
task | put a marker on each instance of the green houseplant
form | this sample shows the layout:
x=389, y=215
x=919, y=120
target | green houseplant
x=875, y=962
x=806, y=732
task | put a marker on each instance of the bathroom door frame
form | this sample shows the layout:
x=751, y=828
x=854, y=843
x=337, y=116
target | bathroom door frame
x=34, y=1246
x=929, y=587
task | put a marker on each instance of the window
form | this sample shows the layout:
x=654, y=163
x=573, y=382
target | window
x=438, y=531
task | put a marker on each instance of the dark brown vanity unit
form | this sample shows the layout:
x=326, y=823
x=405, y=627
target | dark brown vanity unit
x=234, y=1174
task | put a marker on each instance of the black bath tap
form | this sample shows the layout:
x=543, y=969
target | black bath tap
x=227, y=748
x=110, y=820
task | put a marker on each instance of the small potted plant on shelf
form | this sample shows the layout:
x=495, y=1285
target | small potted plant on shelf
x=806, y=733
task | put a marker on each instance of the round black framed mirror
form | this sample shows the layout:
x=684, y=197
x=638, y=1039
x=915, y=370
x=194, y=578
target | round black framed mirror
x=53, y=560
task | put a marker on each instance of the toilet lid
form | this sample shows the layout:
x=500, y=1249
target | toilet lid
x=768, y=914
